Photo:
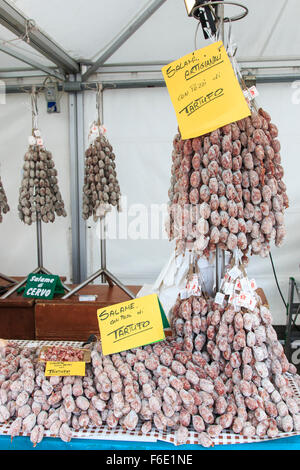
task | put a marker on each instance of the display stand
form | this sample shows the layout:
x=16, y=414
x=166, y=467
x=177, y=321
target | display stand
x=106, y=276
x=40, y=268
x=103, y=272
x=8, y=279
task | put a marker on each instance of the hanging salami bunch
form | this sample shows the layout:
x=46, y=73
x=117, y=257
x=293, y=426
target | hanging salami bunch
x=101, y=189
x=39, y=194
x=4, y=207
x=227, y=188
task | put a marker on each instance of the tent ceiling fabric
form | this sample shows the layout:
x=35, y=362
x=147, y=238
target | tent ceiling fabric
x=83, y=28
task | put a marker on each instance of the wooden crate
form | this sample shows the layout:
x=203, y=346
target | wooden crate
x=72, y=320
x=17, y=314
x=17, y=318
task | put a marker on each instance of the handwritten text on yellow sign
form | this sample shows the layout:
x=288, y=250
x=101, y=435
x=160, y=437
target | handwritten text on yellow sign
x=63, y=369
x=130, y=324
x=204, y=91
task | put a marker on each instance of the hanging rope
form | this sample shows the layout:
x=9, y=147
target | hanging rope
x=99, y=98
x=34, y=108
x=30, y=26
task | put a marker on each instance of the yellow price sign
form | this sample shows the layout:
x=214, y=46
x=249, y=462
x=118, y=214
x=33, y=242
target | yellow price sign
x=204, y=91
x=64, y=369
x=131, y=324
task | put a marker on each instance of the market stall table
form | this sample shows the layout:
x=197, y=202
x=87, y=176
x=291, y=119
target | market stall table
x=49, y=443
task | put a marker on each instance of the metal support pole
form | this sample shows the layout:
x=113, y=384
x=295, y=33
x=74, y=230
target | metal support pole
x=17, y=286
x=39, y=243
x=79, y=258
x=103, y=249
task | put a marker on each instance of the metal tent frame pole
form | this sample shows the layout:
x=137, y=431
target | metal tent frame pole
x=40, y=268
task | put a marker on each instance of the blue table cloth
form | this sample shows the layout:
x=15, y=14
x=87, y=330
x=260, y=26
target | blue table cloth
x=49, y=443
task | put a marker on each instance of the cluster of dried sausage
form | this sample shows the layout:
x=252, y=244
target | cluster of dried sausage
x=39, y=194
x=227, y=188
x=101, y=189
x=4, y=207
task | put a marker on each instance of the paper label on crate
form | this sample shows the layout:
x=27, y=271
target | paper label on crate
x=219, y=299
x=204, y=91
x=131, y=324
x=39, y=142
x=64, y=369
x=234, y=272
x=87, y=298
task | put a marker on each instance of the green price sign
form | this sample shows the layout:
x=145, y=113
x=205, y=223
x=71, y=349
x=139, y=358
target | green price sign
x=43, y=286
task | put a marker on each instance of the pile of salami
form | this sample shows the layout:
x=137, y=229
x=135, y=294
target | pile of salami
x=227, y=189
x=4, y=207
x=223, y=369
x=61, y=353
x=101, y=189
x=39, y=194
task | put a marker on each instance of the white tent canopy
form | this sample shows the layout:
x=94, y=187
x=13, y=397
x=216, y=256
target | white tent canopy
x=84, y=28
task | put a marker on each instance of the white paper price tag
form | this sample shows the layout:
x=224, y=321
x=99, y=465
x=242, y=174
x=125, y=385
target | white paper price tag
x=246, y=300
x=253, y=284
x=183, y=294
x=244, y=284
x=234, y=272
x=31, y=140
x=37, y=133
x=253, y=92
x=193, y=286
x=219, y=299
x=228, y=288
